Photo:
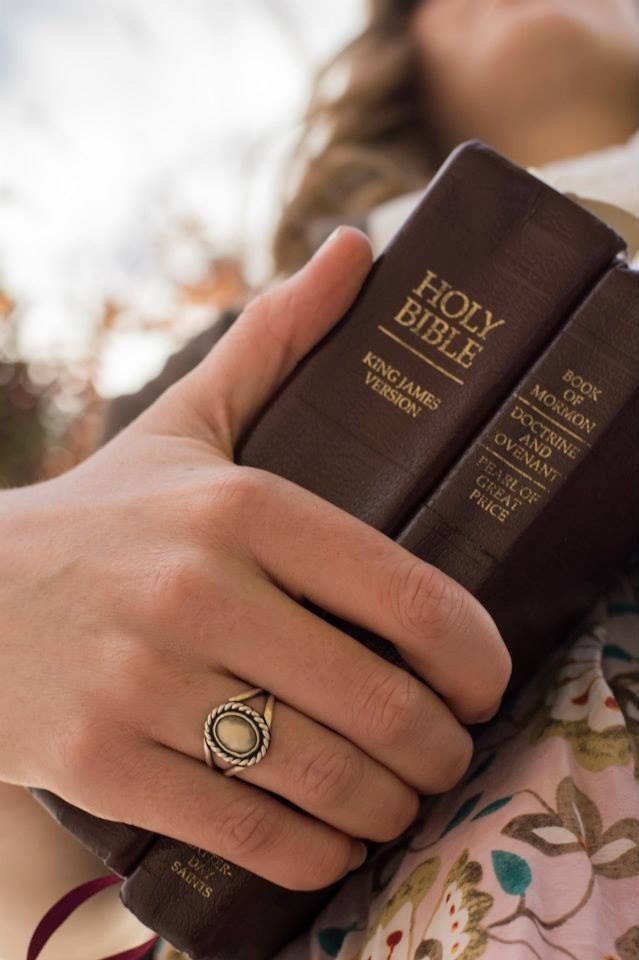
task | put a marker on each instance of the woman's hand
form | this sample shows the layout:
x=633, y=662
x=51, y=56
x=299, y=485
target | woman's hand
x=158, y=578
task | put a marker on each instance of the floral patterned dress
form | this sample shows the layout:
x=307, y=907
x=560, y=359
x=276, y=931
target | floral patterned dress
x=535, y=854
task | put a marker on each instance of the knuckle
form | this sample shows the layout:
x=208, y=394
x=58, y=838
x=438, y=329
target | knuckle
x=257, y=304
x=240, y=497
x=288, y=298
x=397, y=819
x=105, y=778
x=503, y=669
x=84, y=747
x=246, y=828
x=483, y=701
x=170, y=585
x=76, y=747
x=454, y=606
x=330, y=863
x=385, y=705
x=457, y=757
x=236, y=489
x=325, y=776
x=485, y=707
x=423, y=598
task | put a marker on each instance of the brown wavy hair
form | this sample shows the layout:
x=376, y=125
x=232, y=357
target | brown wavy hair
x=377, y=142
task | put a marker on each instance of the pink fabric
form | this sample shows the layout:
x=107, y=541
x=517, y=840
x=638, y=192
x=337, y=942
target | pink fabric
x=60, y=910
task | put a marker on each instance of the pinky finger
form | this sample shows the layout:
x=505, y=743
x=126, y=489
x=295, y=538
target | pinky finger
x=234, y=820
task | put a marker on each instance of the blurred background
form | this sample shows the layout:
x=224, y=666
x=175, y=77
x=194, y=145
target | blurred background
x=142, y=163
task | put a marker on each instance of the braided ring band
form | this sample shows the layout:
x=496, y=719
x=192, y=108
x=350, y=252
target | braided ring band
x=237, y=733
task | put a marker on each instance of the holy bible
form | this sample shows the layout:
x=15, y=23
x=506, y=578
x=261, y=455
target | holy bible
x=474, y=288
x=464, y=296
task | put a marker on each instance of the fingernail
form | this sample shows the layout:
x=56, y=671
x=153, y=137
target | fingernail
x=484, y=716
x=332, y=236
x=359, y=854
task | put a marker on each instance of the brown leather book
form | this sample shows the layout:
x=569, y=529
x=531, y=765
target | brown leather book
x=500, y=246
x=463, y=298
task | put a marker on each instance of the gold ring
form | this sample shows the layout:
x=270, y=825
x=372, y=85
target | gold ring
x=237, y=733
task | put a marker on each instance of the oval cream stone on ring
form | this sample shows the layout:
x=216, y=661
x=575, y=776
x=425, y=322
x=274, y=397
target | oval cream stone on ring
x=236, y=733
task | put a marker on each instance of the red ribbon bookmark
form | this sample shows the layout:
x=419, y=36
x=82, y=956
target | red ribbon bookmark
x=58, y=913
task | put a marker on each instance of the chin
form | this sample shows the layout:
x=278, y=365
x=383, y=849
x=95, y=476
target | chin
x=528, y=46
x=516, y=27
x=526, y=57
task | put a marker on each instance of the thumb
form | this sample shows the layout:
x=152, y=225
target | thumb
x=272, y=334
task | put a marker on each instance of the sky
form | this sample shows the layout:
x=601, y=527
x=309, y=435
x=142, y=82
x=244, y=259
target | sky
x=120, y=118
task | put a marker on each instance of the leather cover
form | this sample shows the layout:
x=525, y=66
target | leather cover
x=464, y=296
x=373, y=421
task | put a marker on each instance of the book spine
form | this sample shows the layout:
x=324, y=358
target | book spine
x=568, y=436
x=462, y=299
x=541, y=509
x=213, y=909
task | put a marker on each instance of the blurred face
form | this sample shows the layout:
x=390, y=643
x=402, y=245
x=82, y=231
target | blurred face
x=491, y=62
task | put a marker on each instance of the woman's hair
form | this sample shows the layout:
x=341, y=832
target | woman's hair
x=375, y=141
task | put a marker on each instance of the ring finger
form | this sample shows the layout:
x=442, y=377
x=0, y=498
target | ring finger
x=313, y=767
